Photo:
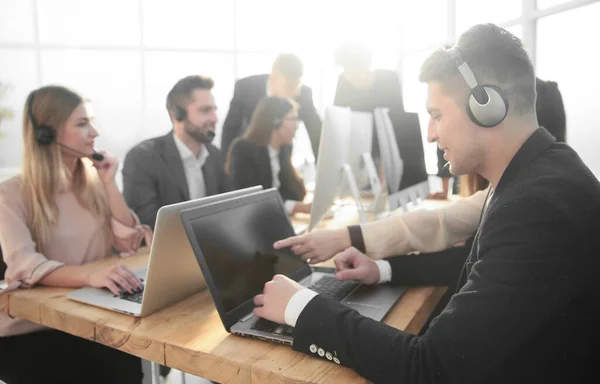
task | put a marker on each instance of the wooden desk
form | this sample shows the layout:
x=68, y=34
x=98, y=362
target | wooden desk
x=189, y=335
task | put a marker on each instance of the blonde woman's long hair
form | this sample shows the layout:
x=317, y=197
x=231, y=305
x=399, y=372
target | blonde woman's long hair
x=44, y=173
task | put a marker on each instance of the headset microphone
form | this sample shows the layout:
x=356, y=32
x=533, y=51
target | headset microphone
x=95, y=156
x=180, y=114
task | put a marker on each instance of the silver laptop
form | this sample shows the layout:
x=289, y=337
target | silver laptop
x=172, y=273
x=233, y=242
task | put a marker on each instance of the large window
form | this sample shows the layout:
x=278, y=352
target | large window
x=566, y=54
x=471, y=12
x=126, y=54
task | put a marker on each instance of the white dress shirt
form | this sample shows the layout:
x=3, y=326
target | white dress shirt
x=301, y=298
x=275, y=168
x=192, y=167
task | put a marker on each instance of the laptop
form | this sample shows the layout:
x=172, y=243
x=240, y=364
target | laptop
x=172, y=273
x=233, y=242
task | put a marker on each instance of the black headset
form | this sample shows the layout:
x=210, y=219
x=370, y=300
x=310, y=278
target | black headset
x=487, y=105
x=278, y=121
x=179, y=113
x=44, y=134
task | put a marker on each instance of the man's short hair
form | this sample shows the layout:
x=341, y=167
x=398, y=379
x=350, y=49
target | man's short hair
x=496, y=57
x=289, y=65
x=181, y=93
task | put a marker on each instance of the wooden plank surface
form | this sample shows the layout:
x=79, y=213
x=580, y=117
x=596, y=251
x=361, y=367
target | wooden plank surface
x=189, y=335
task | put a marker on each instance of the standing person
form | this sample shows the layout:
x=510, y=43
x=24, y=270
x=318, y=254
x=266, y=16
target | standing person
x=284, y=81
x=361, y=88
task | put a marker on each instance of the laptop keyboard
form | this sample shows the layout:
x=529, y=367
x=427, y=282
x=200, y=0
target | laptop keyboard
x=327, y=286
x=271, y=327
x=332, y=288
x=133, y=297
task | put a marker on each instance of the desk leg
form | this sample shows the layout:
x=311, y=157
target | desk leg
x=155, y=373
x=147, y=371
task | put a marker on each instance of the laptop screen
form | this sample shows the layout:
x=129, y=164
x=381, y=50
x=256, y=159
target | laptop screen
x=237, y=245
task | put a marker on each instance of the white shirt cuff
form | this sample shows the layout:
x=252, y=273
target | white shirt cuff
x=289, y=206
x=296, y=305
x=385, y=271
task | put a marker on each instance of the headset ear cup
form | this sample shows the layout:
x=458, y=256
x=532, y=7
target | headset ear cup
x=277, y=122
x=493, y=112
x=44, y=135
x=179, y=114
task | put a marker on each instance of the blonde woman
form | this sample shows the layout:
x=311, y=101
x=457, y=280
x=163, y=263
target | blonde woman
x=62, y=212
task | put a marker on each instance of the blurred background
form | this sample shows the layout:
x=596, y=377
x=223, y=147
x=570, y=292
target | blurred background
x=124, y=55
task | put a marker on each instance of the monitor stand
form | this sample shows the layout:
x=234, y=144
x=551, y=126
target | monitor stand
x=379, y=204
x=349, y=178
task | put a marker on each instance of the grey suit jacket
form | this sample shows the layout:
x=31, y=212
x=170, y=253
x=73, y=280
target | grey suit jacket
x=153, y=176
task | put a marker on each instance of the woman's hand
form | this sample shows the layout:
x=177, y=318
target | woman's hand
x=117, y=278
x=107, y=168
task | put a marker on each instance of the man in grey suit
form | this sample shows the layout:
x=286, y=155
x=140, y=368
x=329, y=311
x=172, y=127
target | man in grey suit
x=183, y=164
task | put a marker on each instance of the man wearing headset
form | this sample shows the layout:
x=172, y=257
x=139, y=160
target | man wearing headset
x=526, y=299
x=183, y=164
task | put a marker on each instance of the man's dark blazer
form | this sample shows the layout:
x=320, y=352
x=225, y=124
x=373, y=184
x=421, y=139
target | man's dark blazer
x=248, y=92
x=251, y=165
x=527, y=308
x=153, y=176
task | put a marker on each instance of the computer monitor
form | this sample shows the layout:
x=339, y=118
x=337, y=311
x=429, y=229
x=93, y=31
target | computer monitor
x=413, y=183
x=361, y=142
x=361, y=163
x=333, y=154
x=391, y=161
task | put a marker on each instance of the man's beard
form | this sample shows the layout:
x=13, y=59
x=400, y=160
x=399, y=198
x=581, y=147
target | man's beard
x=199, y=135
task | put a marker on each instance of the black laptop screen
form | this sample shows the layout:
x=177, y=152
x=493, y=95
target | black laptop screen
x=237, y=245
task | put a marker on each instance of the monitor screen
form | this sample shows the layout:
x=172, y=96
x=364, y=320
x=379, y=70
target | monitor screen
x=410, y=144
x=237, y=245
x=333, y=148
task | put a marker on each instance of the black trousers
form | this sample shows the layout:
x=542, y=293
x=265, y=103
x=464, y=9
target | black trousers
x=57, y=357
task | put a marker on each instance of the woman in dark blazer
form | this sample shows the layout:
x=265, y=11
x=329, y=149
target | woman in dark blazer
x=263, y=156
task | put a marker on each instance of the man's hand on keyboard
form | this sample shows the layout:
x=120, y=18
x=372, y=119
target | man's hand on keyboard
x=355, y=265
x=272, y=303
